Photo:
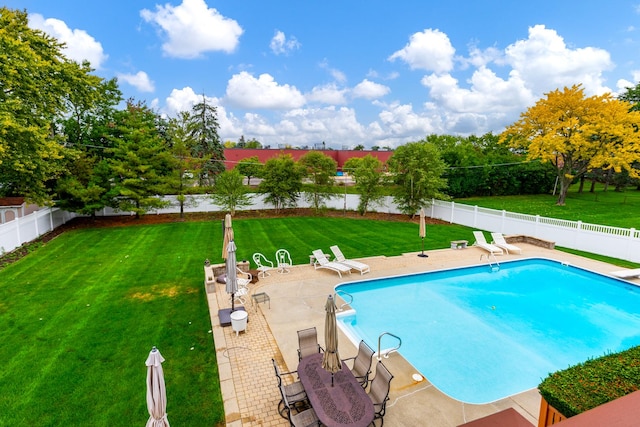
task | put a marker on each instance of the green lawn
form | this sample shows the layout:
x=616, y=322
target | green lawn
x=79, y=315
x=618, y=209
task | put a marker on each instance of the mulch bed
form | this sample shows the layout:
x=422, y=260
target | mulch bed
x=128, y=220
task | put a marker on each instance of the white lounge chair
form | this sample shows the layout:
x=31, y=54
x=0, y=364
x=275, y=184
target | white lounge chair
x=626, y=274
x=356, y=265
x=499, y=241
x=322, y=262
x=481, y=242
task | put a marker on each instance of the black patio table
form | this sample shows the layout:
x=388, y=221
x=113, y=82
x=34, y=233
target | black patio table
x=343, y=404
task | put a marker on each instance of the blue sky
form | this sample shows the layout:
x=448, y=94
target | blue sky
x=349, y=72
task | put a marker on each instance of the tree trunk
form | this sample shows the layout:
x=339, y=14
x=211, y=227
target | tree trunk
x=582, y=178
x=564, y=188
x=593, y=186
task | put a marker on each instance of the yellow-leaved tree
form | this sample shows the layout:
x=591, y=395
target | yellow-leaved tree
x=577, y=134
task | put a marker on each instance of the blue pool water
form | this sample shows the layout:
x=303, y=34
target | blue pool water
x=480, y=335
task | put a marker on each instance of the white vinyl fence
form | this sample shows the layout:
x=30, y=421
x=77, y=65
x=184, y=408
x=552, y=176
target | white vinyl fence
x=616, y=242
x=623, y=243
x=29, y=227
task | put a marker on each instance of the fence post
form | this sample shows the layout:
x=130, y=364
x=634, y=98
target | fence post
x=475, y=216
x=453, y=208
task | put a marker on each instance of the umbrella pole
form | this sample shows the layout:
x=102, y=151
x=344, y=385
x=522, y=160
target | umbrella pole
x=233, y=297
x=332, y=379
x=423, y=255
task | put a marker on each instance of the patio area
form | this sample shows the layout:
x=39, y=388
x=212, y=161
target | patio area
x=296, y=301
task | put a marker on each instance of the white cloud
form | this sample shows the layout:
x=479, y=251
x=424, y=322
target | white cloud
x=246, y=91
x=80, y=46
x=370, y=90
x=193, y=28
x=280, y=45
x=140, y=81
x=430, y=50
x=328, y=94
x=545, y=63
x=337, y=75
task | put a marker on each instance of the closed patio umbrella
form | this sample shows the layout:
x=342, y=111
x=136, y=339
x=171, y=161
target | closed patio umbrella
x=227, y=235
x=422, y=232
x=156, y=390
x=232, y=276
x=331, y=359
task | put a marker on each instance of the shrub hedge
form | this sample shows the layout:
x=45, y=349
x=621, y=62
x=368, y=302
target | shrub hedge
x=593, y=383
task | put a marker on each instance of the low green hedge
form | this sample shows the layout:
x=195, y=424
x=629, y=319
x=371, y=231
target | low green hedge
x=592, y=383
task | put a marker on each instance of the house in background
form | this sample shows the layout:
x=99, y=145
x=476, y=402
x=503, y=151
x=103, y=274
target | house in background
x=14, y=207
x=234, y=155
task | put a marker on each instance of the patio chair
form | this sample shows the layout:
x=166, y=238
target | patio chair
x=244, y=278
x=481, y=242
x=283, y=260
x=379, y=391
x=308, y=342
x=294, y=393
x=356, y=265
x=362, y=363
x=263, y=265
x=499, y=241
x=322, y=262
x=305, y=418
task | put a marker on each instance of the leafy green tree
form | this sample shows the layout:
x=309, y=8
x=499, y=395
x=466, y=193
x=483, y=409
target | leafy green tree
x=369, y=176
x=359, y=147
x=253, y=143
x=186, y=168
x=250, y=167
x=204, y=130
x=632, y=96
x=230, y=191
x=417, y=170
x=577, y=134
x=319, y=169
x=281, y=182
x=141, y=164
x=85, y=183
x=36, y=82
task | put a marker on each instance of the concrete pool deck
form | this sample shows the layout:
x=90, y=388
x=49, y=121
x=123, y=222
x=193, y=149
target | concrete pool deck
x=297, y=302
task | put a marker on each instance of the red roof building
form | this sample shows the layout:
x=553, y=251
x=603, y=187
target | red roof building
x=234, y=155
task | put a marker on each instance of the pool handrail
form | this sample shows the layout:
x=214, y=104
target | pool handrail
x=342, y=295
x=386, y=355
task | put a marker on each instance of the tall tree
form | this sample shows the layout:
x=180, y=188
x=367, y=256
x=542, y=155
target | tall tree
x=85, y=183
x=36, y=80
x=281, y=182
x=204, y=130
x=186, y=168
x=141, y=162
x=576, y=134
x=250, y=167
x=368, y=174
x=319, y=169
x=417, y=171
x=230, y=192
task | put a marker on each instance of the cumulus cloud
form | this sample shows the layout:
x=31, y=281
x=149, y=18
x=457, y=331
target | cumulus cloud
x=139, y=80
x=192, y=28
x=430, y=50
x=80, y=46
x=370, y=90
x=246, y=91
x=545, y=62
x=328, y=94
x=281, y=45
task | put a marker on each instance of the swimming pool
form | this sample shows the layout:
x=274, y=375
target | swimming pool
x=480, y=335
